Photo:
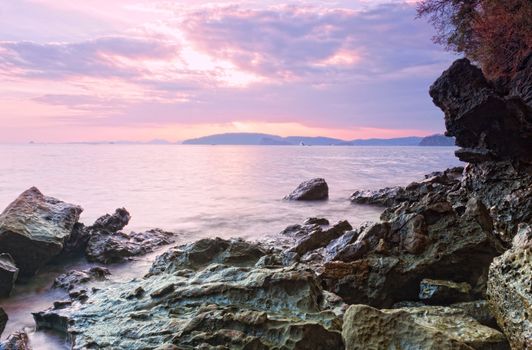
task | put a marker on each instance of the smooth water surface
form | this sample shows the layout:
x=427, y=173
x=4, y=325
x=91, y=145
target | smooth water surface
x=197, y=191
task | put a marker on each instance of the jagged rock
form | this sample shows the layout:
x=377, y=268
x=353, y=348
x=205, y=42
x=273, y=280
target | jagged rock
x=316, y=221
x=199, y=254
x=506, y=189
x=487, y=125
x=311, y=190
x=510, y=295
x=523, y=237
x=8, y=275
x=34, y=228
x=443, y=292
x=417, y=328
x=479, y=310
x=320, y=238
x=104, y=247
x=73, y=279
x=384, y=197
x=428, y=238
x=3, y=320
x=16, y=341
x=112, y=223
x=226, y=302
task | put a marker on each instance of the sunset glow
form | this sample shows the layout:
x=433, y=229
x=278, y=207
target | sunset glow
x=140, y=70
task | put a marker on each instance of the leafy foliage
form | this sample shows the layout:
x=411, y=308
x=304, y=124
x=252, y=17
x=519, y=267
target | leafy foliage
x=495, y=33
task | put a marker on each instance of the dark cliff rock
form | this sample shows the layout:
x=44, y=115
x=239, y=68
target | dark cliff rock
x=34, y=228
x=3, y=320
x=487, y=125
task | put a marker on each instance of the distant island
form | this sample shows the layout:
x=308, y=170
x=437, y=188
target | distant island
x=437, y=140
x=258, y=139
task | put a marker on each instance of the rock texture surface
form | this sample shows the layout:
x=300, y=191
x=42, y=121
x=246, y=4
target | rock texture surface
x=34, y=228
x=8, y=275
x=311, y=190
x=16, y=341
x=417, y=328
x=205, y=295
x=510, y=295
x=487, y=125
x=73, y=279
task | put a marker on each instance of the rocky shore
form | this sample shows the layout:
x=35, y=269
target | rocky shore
x=448, y=266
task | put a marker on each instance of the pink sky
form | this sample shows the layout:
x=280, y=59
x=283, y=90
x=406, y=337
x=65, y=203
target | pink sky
x=74, y=70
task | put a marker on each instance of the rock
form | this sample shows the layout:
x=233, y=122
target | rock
x=8, y=275
x=112, y=223
x=204, y=252
x=3, y=320
x=479, y=310
x=107, y=224
x=311, y=190
x=105, y=248
x=510, y=295
x=73, y=279
x=16, y=341
x=505, y=188
x=416, y=328
x=209, y=294
x=444, y=292
x=523, y=237
x=316, y=221
x=425, y=238
x=320, y=238
x=384, y=197
x=488, y=125
x=34, y=228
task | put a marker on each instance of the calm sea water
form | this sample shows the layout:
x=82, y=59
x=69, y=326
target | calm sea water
x=197, y=191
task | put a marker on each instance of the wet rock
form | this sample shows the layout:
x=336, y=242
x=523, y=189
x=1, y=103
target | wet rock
x=3, y=320
x=73, y=279
x=488, y=125
x=229, y=305
x=316, y=221
x=417, y=328
x=8, y=275
x=197, y=255
x=385, y=197
x=16, y=341
x=510, y=295
x=34, y=228
x=104, y=247
x=443, y=292
x=112, y=223
x=311, y=190
x=319, y=238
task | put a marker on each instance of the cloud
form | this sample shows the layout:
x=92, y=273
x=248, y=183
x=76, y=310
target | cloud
x=99, y=57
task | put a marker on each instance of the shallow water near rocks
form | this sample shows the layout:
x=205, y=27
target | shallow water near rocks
x=197, y=192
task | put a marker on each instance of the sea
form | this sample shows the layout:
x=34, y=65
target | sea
x=195, y=191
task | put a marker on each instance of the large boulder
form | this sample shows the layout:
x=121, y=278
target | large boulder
x=34, y=228
x=210, y=294
x=311, y=190
x=432, y=328
x=8, y=275
x=510, y=292
x=487, y=125
x=3, y=320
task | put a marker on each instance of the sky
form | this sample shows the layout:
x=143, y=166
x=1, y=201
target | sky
x=99, y=70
